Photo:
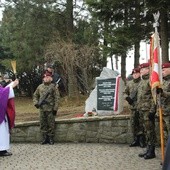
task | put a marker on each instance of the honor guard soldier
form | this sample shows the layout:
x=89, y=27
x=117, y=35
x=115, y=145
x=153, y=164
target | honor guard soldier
x=130, y=95
x=165, y=99
x=46, y=98
x=147, y=110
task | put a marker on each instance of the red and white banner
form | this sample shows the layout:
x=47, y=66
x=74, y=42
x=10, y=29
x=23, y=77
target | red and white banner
x=155, y=64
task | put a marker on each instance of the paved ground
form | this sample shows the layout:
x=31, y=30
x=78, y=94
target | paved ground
x=77, y=156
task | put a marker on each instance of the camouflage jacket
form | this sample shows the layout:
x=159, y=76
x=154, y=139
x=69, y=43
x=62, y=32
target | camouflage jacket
x=131, y=90
x=165, y=98
x=51, y=101
x=145, y=100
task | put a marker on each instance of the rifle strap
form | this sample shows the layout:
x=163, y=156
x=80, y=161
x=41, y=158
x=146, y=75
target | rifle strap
x=47, y=92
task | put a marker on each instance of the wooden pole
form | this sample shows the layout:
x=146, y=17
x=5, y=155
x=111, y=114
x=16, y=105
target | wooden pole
x=156, y=24
x=161, y=128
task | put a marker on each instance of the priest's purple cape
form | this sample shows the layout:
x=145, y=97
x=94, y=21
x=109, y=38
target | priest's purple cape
x=4, y=93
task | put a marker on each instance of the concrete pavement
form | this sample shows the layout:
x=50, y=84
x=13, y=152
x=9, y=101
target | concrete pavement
x=77, y=156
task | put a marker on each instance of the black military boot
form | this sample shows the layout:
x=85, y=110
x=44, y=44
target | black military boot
x=151, y=153
x=45, y=140
x=51, y=141
x=142, y=141
x=135, y=142
x=143, y=154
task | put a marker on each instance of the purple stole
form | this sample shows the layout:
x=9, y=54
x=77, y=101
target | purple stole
x=4, y=93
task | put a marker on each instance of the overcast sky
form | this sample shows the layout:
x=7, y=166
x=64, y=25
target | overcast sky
x=0, y=14
x=144, y=52
x=144, y=56
x=1, y=1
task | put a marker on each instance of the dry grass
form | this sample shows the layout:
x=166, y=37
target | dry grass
x=25, y=110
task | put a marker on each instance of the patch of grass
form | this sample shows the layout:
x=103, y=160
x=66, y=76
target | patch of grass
x=70, y=102
x=24, y=105
x=68, y=108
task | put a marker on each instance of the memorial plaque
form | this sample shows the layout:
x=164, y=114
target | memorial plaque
x=106, y=93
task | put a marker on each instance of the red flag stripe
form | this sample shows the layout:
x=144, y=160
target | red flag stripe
x=155, y=63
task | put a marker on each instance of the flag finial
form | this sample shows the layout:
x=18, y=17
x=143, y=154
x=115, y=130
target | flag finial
x=156, y=23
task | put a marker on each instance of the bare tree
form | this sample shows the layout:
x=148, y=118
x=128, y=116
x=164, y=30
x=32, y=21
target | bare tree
x=76, y=60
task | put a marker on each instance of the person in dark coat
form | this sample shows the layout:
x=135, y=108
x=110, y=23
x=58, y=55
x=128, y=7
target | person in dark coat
x=56, y=77
x=58, y=81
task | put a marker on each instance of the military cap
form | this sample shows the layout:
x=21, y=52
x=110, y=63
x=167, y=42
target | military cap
x=144, y=65
x=166, y=65
x=136, y=70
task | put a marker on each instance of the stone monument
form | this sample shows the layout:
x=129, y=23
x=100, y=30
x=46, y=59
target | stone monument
x=107, y=96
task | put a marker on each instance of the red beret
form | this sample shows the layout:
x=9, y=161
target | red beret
x=136, y=70
x=47, y=74
x=166, y=65
x=144, y=65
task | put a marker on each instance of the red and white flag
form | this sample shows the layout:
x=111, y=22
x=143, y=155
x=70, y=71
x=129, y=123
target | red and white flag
x=155, y=64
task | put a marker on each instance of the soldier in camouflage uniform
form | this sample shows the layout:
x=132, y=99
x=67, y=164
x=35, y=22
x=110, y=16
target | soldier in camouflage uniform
x=130, y=96
x=48, y=107
x=165, y=99
x=147, y=110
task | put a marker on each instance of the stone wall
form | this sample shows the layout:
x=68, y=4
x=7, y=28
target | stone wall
x=108, y=129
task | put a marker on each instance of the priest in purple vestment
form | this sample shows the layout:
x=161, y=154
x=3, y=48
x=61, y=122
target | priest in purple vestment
x=7, y=116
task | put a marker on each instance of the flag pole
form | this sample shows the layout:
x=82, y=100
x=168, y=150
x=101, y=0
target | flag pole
x=155, y=25
x=161, y=127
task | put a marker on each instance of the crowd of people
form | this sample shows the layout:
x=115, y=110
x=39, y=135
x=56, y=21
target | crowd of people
x=138, y=94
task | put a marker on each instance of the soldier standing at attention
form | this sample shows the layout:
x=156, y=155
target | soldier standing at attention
x=165, y=99
x=147, y=110
x=165, y=104
x=46, y=98
x=130, y=96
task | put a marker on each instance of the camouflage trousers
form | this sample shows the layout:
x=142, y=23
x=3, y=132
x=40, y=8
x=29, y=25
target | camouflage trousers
x=47, y=123
x=149, y=127
x=137, y=129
